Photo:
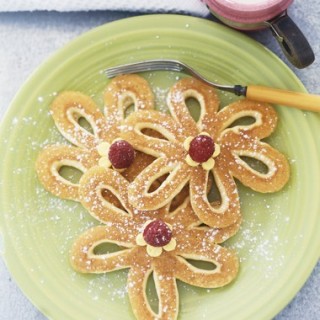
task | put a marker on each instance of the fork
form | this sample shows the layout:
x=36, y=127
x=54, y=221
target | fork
x=303, y=101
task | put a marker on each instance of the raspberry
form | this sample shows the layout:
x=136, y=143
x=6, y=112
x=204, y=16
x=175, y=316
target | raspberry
x=201, y=148
x=121, y=154
x=157, y=233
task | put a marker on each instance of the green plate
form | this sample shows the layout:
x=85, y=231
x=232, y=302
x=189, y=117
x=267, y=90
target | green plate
x=279, y=241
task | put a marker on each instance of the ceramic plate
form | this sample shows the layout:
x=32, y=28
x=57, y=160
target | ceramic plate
x=278, y=243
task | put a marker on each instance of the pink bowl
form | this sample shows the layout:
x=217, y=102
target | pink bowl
x=248, y=11
x=249, y=15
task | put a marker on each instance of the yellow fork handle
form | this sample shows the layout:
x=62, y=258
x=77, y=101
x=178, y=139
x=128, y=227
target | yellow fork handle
x=303, y=101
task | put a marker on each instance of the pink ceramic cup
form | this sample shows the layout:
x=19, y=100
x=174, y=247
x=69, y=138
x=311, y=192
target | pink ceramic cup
x=258, y=14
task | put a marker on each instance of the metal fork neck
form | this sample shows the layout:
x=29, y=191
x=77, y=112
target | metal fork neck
x=240, y=90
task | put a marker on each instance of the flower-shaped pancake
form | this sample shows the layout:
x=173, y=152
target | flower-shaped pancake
x=190, y=150
x=150, y=254
x=67, y=111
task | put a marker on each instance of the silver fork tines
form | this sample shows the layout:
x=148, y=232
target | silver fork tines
x=169, y=65
x=147, y=65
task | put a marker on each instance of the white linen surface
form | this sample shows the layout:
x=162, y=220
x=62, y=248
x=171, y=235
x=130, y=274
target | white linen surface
x=195, y=7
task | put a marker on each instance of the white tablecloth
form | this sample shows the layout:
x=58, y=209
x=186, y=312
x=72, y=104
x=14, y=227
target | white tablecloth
x=196, y=7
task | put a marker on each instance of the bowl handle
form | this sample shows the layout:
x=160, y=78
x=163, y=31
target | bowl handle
x=292, y=41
